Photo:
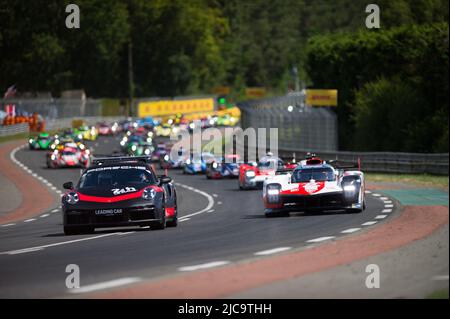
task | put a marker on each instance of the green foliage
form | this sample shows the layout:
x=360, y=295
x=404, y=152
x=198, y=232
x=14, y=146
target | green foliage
x=409, y=102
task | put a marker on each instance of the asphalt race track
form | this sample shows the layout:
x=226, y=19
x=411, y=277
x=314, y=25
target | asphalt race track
x=223, y=224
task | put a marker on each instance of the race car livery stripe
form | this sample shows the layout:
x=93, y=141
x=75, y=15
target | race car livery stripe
x=98, y=199
x=305, y=189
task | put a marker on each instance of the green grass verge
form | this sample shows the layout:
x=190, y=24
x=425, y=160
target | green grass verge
x=21, y=136
x=440, y=294
x=14, y=137
x=424, y=180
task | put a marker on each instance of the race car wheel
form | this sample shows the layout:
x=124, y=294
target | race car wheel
x=159, y=225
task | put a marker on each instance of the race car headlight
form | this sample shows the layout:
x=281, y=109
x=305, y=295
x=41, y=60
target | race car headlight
x=250, y=174
x=128, y=133
x=80, y=136
x=56, y=141
x=81, y=146
x=148, y=194
x=88, y=152
x=349, y=188
x=122, y=143
x=273, y=193
x=133, y=148
x=147, y=151
x=166, y=158
x=53, y=157
x=72, y=198
x=215, y=165
x=150, y=134
x=30, y=140
x=149, y=139
x=53, y=146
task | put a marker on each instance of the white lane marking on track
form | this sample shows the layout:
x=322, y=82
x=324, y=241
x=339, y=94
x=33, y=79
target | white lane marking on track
x=384, y=198
x=215, y=195
x=318, y=240
x=389, y=210
x=55, y=210
x=54, y=188
x=368, y=192
x=12, y=252
x=376, y=195
x=26, y=250
x=369, y=223
x=440, y=278
x=271, y=251
x=183, y=219
x=29, y=220
x=219, y=203
x=44, y=215
x=204, y=266
x=7, y=225
x=350, y=230
x=387, y=202
x=389, y=206
x=105, y=285
x=380, y=216
x=126, y=233
x=211, y=211
x=204, y=210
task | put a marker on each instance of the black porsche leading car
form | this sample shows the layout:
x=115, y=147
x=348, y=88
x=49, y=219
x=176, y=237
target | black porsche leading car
x=119, y=191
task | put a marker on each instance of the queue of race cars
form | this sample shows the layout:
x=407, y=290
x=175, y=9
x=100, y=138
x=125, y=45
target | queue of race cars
x=123, y=189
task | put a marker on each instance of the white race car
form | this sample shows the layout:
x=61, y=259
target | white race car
x=314, y=185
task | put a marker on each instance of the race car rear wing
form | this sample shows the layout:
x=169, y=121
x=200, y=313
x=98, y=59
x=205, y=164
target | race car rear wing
x=345, y=166
x=283, y=171
x=120, y=159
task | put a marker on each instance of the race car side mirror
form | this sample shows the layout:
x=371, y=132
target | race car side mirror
x=165, y=180
x=68, y=185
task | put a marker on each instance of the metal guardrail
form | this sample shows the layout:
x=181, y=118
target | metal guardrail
x=14, y=129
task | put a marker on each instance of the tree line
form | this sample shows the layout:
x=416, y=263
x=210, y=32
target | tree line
x=184, y=47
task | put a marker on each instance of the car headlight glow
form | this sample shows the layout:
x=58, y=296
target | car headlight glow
x=188, y=161
x=122, y=143
x=349, y=188
x=147, y=151
x=30, y=140
x=72, y=198
x=250, y=173
x=80, y=136
x=53, y=146
x=273, y=191
x=149, y=140
x=166, y=157
x=82, y=147
x=53, y=157
x=128, y=133
x=215, y=165
x=56, y=141
x=133, y=148
x=148, y=193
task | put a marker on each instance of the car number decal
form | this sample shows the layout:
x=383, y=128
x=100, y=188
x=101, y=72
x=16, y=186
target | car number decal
x=119, y=191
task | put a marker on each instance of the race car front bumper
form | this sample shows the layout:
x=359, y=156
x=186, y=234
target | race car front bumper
x=139, y=214
x=319, y=202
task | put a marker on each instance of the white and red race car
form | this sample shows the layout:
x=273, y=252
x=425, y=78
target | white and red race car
x=252, y=176
x=69, y=156
x=315, y=185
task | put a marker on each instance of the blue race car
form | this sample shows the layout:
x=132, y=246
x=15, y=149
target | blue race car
x=197, y=165
x=227, y=167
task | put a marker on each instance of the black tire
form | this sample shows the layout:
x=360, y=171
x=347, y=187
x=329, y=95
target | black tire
x=159, y=225
x=172, y=223
x=354, y=210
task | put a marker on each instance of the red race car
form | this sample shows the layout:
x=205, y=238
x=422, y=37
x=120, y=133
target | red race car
x=252, y=176
x=69, y=156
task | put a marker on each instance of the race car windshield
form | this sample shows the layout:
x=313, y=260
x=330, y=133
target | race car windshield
x=317, y=174
x=118, y=177
x=269, y=164
x=68, y=153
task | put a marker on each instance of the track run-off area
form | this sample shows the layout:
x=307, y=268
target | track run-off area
x=221, y=230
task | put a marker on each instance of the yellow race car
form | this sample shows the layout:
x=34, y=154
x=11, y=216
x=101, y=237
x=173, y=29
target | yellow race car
x=88, y=133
